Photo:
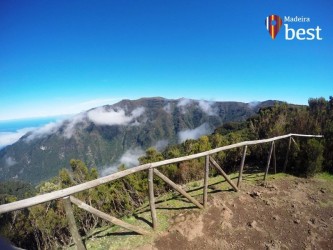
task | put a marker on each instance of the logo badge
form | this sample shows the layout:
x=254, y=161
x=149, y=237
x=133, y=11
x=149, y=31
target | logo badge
x=273, y=24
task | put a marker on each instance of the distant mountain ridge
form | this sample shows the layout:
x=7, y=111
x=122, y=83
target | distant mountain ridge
x=114, y=134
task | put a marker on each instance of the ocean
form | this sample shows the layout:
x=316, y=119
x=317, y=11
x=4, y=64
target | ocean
x=12, y=130
x=15, y=125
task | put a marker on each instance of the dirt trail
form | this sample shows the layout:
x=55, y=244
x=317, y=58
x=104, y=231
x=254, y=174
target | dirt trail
x=288, y=213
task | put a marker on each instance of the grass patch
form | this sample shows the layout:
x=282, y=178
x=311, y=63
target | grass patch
x=279, y=176
x=324, y=176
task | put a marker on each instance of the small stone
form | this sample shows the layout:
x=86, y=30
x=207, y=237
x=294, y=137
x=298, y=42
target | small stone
x=275, y=217
x=323, y=190
x=255, y=194
x=297, y=221
x=313, y=220
x=252, y=224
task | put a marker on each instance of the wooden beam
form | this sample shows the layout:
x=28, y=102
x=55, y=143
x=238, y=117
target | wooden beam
x=241, y=167
x=287, y=156
x=152, y=197
x=177, y=188
x=223, y=173
x=206, y=178
x=295, y=143
x=107, y=217
x=274, y=159
x=269, y=160
x=72, y=224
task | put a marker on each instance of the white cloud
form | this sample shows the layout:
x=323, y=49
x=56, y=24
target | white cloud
x=47, y=129
x=70, y=126
x=101, y=116
x=203, y=129
x=184, y=102
x=167, y=108
x=10, y=161
x=253, y=104
x=8, y=138
x=129, y=159
x=53, y=127
x=207, y=107
x=161, y=144
x=107, y=170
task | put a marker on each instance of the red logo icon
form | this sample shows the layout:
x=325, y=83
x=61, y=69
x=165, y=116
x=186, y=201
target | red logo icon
x=273, y=24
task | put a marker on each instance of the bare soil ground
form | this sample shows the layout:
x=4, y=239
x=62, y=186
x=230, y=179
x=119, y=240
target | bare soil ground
x=286, y=213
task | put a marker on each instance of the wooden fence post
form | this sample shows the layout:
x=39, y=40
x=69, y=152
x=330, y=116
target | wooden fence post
x=274, y=159
x=241, y=167
x=287, y=156
x=206, y=181
x=223, y=173
x=269, y=160
x=72, y=224
x=152, y=197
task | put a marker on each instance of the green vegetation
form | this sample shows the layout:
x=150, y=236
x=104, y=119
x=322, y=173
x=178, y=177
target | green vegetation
x=96, y=145
x=45, y=225
x=325, y=176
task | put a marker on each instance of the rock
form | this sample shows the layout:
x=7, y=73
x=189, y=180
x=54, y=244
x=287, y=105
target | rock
x=313, y=221
x=255, y=194
x=323, y=190
x=276, y=217
x=273, y=245
x=252, y=224
x=297, y=221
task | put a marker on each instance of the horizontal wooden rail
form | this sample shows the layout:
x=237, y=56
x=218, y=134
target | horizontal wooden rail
x=94, y=183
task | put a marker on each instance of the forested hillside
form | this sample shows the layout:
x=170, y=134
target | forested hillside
x=109, y=135
x=45, y=225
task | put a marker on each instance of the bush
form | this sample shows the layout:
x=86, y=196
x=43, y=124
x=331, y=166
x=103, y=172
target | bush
x=307, y=157
x=314, y=157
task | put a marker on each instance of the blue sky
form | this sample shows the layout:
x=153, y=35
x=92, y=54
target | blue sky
x=60, y=57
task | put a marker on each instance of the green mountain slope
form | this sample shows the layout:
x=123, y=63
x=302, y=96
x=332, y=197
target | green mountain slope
x=113, y=134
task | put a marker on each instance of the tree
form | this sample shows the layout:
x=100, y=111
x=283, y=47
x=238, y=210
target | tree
x=152, y=155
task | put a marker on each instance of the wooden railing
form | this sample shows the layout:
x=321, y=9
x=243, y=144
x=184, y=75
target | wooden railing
x=68, y=198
